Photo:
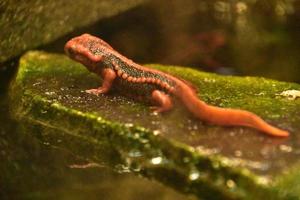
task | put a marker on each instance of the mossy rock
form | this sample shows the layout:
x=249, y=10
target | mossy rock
x=211, y=162
x=28, y=24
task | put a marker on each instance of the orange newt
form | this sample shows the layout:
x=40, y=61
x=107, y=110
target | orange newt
x=126, y=76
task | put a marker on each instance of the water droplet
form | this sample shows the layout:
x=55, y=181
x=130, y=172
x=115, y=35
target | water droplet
x=50, y=93
x=46, y=143
x=206, y=151
x=241, y=7
x=194, y=175
x=134, y=153
x=154, y=114
x=35, y=84
x=122, y=168
x=230, y=183
x=156, y=160
x=128, y=125
x=238, y=153
x=286, y=148
x=144, y=141
x=156, y=132
x=232, y=133
x=260, y=94
x=136, y=136
x=208, y=80
x=136, y=168
x=84, y=166
x=263, y=180
x=154, y=122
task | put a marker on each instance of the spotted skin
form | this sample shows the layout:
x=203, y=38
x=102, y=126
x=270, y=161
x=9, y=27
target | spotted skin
x=127, y=77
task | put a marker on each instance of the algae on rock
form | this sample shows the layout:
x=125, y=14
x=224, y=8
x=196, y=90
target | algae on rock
x=208, y=161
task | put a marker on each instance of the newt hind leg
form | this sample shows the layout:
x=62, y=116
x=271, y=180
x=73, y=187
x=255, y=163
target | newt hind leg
x=108, y=76
x=162, y=100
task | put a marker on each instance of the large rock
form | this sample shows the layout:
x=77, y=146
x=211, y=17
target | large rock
x=27, y=24
x=211, y=162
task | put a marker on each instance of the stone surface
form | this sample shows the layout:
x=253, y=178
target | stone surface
x=211, y=162
x=28, y=24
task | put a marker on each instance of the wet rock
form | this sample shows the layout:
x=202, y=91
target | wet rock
x=48, y=98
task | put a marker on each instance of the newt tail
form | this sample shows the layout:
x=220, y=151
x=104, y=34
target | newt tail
x=225, y=116
x=122, y=74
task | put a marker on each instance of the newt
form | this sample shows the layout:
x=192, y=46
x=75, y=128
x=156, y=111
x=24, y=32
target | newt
x=123, y=74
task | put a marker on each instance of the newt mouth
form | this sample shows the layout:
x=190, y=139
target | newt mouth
x=69, y=49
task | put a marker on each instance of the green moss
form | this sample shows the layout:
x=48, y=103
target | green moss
x=48, y=98
x=258, y=95
x=289, y=183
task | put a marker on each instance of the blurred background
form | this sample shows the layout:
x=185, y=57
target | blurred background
x=240, y=37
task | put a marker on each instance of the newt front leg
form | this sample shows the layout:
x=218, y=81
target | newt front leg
x=162, y=100
x=108, y=75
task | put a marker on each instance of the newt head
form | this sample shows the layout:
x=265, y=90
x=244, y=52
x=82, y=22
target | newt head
x=84, y=49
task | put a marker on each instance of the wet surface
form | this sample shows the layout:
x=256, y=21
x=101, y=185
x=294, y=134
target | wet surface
x=64, y=175
x=262, y=154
